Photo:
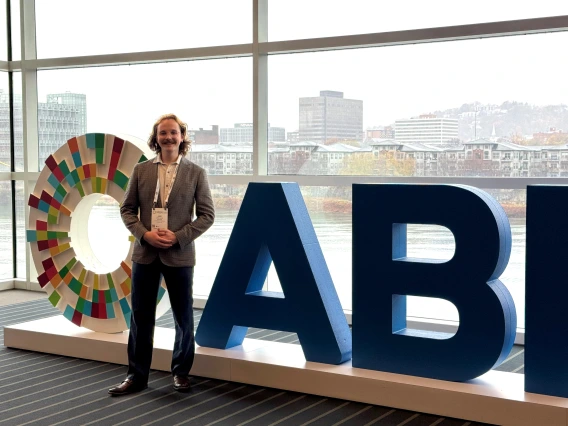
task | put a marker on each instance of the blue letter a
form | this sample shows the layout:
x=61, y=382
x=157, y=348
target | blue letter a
x=383, y=276
x=273, y=224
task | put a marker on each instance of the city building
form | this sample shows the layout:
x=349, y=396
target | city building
x=380, y=132
x=62, y=117
x=293, y=136
x=202, y=136
x=242, y=133
x=387, y=157
x=426, y=129
x=330, y=118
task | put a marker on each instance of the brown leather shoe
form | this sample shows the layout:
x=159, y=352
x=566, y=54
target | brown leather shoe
x=181, y=383
x=128, y=386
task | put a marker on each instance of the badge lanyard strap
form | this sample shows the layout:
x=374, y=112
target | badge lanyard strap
x=168, y=191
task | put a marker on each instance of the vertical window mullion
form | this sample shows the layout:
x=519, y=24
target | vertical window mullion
x=12, y=137
x=260, y=89
x=29, y=106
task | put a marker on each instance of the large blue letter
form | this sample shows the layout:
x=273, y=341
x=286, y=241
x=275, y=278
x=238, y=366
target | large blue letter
x=546, y=331
x=273, y=224
x=383, y=276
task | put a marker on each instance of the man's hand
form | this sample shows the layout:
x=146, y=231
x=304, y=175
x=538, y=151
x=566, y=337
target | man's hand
x=160, y=238
x=168, y=235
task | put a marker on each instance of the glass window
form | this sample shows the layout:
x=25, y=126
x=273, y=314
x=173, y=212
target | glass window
x=18, y=123
x=126, y=101
x=332, y=99
x=16, y=44
x=3, y=36
x=6, y=252
x=21, y=244
x=297, y=19
x=211, y=246
x=5, y=159
x=108, y=26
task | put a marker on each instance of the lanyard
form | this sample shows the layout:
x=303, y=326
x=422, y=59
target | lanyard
x=167, y=190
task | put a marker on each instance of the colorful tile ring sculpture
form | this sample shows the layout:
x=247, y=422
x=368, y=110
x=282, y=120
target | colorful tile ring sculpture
x=74, y=177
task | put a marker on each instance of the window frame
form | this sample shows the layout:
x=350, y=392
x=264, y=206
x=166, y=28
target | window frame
x=260, y=49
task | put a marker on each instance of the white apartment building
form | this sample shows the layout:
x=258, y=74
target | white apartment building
x=426, y=129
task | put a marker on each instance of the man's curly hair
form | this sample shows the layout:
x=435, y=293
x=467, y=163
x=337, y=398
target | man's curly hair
x=153, y=140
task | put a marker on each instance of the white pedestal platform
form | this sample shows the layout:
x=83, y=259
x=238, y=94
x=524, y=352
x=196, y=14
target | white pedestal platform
x=495, y=397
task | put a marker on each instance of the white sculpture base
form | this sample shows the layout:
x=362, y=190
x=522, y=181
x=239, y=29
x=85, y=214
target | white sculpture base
x=495, y=397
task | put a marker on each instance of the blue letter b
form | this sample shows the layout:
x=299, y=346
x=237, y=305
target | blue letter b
x=383, y=275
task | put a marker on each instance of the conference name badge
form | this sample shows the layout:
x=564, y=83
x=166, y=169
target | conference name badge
x=159, y=218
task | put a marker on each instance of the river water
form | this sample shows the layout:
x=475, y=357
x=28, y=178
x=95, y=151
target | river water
x=334, y=234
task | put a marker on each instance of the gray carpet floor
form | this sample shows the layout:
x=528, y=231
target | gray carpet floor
x=43, y=389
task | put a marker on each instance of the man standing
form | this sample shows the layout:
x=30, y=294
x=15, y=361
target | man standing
x=158, y=210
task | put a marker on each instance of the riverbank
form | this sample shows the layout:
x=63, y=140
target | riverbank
x=338, y=205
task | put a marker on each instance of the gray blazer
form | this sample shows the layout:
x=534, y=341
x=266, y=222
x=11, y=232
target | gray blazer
x=190, y=190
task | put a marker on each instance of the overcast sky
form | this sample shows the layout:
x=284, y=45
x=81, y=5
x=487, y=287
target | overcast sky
x=394, y=82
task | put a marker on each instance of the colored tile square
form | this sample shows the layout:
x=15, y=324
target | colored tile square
x=73, y=145
x=75, y=176
x=33, y=201
x=53, y=181
x=44, y=207
x=118, y=145
x=54, y=298
x=50, y=162
x=110, y=311
x=113, y=295
x=87, y=308
x=125, y=307
x=80, y=305
x=77, y=159
x=120, y=179
x=75, y=286
x=55, y=280
x=68, y=313
x=31, y=236
x=90, y=140
x=77, y=317
x=125, y=288
x=102, y=310
x=64, y=168
x=42, y=279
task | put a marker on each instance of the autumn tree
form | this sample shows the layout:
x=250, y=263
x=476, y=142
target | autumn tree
x=389, y=165
x=557, y=139
x=359, y=164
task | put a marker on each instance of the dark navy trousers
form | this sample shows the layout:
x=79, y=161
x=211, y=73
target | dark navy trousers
x=145, y=285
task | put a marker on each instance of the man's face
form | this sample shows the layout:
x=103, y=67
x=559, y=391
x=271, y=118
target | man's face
x=169, y=137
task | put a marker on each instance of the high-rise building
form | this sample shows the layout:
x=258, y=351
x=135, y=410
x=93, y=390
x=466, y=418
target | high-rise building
x=242, y=133
x=330, y=118
x=426, y=129
x=62, y=117
x=78, y=101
